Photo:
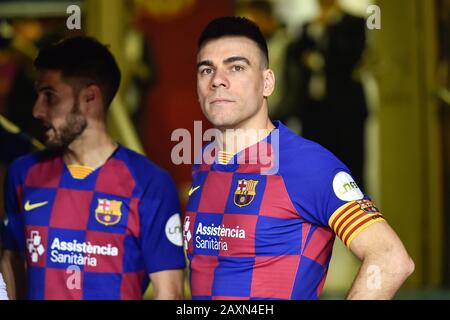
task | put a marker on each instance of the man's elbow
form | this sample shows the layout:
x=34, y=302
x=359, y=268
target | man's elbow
x=402, y=265
x=408, y=266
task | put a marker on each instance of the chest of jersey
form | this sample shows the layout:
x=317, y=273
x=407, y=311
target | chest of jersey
x=71, y=227
x=240, y=214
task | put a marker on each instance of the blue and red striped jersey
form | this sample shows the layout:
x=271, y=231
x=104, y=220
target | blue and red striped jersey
x=257, y=229
x=93, y=238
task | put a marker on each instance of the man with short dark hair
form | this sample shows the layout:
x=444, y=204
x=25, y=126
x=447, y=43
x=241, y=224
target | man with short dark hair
x=258, y=229
x=94, y=219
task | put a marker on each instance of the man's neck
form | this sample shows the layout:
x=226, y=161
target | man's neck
x=91, y=149
x=237, y=139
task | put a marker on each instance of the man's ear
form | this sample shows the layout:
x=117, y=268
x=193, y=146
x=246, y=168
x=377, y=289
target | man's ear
x=269, y=82
x=91, y=93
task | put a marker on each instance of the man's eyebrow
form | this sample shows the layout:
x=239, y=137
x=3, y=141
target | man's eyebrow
x=229, y=60
x=44, y=88
x=236, y=58
x=207, y=63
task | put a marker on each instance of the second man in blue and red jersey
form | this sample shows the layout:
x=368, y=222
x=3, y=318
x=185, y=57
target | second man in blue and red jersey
x=93, y=219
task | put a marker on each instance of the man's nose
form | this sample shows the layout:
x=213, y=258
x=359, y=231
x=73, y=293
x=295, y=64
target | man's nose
x=39, y=109
x=220, y=80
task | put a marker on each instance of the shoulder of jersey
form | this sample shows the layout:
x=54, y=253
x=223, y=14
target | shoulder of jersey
x=23, y=163
x=297, y=153
x=141, y=165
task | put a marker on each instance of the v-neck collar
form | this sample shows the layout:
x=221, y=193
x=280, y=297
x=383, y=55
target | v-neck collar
x=234, y=162
x=112, y=155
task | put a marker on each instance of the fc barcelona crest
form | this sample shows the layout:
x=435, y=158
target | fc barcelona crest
x=108, y=211
x=245, y=192
x=368, y=206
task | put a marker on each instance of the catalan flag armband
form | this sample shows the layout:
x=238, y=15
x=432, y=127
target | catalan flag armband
x=353, y=217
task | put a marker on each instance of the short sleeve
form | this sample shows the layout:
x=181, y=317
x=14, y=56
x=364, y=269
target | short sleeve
x=326, y=194
x=161, y=237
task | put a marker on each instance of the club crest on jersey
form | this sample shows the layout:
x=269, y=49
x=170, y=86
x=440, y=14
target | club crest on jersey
x=367, y=206
x=108, y=211
x=245, y=192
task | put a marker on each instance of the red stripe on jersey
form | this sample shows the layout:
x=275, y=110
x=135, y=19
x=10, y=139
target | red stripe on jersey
x=62, y=284
x=131, y=286
x=276, y=201
x=320, y=245
x=306, y=227
x=202, y=268
x=115, y=178
x=215, y=192
x=71, y=209
x=269, y=284
x=19, y=194
x=45, y=174
x=133, y=219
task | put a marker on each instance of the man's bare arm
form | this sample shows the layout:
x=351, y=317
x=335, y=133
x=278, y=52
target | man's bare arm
x=385, y=263
x=168, y=284
x=13, y=269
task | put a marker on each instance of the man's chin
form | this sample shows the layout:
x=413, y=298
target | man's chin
x=55, y=145
x=220, y=122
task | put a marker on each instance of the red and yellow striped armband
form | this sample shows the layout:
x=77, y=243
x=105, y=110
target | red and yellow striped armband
x=353, y=217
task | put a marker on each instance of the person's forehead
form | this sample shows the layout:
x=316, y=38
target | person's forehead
x=228, y=46
x=52, y=79
x=49, y=76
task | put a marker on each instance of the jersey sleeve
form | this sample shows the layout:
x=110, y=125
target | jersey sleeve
x=13, y=232
x=161, y=237
x=326, y=194
x=350, y=210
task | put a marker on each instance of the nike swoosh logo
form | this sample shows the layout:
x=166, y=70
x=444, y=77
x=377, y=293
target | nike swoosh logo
x=29, y=206
x=193, y=190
